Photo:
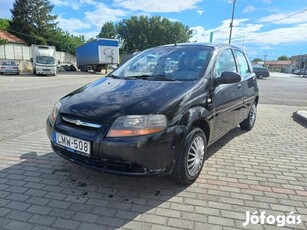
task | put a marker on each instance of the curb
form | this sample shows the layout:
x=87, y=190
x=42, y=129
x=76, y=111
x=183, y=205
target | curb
x=301, y=117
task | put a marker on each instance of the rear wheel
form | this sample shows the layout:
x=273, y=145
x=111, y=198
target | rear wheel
x=260, y=76
x=249, y=122
x=191, y=157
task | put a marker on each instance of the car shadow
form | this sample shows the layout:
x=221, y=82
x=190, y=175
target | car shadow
x=74, y=193
x=70, y=191
x=215, y=147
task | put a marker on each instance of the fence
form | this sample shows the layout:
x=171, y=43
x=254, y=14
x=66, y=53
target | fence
x=22, y=54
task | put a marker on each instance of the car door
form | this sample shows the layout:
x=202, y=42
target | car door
x=226, y=98
x=248, y=83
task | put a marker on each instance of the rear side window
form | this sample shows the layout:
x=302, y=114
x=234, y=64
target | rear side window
x=242, y=62
x=225, y=62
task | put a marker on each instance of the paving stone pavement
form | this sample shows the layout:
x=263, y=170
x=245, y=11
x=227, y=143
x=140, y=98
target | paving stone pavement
x=261, y=170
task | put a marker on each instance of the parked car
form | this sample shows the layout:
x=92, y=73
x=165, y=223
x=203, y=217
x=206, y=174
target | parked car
x=149, y=121
x=261, y=71
x=8, y=67
x=302, y=72
x=66, y=66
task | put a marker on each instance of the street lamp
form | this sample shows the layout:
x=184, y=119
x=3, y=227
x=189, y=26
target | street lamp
x=231, y=23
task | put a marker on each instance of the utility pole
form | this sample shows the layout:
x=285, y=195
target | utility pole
x=264, y=59
x=231, y=23
x=243, y=41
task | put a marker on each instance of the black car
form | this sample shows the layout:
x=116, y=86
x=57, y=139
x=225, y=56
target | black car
x=154, y=116
x=261, y=71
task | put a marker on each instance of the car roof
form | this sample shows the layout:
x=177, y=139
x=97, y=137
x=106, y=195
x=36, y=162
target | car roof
x=207, y=44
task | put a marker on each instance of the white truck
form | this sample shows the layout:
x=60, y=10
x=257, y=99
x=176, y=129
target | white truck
x=43, y=60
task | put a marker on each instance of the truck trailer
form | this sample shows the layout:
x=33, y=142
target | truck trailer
x=43, y=60
x=97, y=54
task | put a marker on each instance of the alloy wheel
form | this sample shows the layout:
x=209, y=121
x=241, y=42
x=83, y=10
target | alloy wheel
x=253, y=113
x=195, y=156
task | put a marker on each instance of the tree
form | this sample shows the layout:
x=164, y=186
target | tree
x=90, y=39
x=283, y=58
x=4, y=24
x=64, y=41
x=32, y=21
x=3, y=41
x=108, y=30
x=139, y=33
x=257, y=60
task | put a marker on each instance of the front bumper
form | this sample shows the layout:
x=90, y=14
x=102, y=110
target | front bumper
x=154, y=154
x=9, y=71
x=46, y=70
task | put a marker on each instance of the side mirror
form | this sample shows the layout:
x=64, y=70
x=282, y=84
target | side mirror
x=59, y=62
x=31, y=59
x=228, y=78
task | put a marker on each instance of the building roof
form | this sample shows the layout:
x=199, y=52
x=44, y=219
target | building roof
x=280, y=63
x=10, y=37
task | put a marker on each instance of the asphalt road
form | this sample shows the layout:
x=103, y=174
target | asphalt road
x=283, y=89
x=27, y=100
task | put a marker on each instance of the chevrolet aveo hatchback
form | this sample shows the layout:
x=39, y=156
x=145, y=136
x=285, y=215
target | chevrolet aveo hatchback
x=157, y=113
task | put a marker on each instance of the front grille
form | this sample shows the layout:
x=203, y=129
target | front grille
x=81, y=123
x=46, y=69
x=114, y=166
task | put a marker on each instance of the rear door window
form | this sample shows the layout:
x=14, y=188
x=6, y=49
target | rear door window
x=242, y=62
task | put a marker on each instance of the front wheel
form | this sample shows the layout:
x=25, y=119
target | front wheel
x=191, y=158
x=249, y=122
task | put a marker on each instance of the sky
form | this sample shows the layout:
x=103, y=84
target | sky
x=270, y=28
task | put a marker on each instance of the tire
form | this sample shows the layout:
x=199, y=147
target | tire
x=260, y=76
x=249, y=122
x=194, y=149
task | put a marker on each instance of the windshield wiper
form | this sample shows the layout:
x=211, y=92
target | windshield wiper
x=151, y=77
x=136, y=77
x=163, y=78
x=114, y=76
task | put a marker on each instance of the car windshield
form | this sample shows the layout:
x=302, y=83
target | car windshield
x=176, y=63
x=45, y=60
x=10, y=63
x=259, y=66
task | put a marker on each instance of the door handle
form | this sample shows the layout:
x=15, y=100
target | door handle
x=239, y=86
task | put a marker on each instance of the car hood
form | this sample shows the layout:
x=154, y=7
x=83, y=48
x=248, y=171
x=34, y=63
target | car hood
x=108, y=98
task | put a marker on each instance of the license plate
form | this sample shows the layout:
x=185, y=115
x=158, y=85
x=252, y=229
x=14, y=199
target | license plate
x=72, y=144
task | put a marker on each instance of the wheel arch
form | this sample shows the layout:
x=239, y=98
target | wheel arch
x=256, y=100
x=204, y=126
x=197, y=116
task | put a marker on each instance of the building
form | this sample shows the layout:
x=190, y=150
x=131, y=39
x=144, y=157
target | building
x=298, y=62
x=278, y=66
x=12, y=39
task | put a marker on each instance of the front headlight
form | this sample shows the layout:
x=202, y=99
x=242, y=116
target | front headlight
x=137, y=125
x=55, y=111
